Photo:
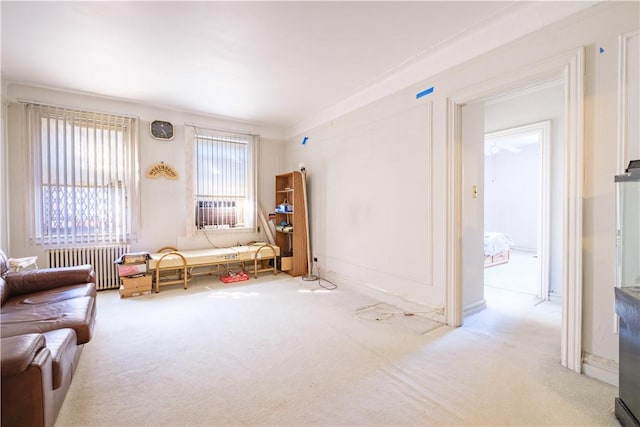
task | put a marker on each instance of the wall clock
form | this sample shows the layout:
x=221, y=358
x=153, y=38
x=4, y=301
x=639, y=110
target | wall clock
x=161, y=130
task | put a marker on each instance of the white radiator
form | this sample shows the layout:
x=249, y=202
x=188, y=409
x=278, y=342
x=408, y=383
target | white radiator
x=100, y=257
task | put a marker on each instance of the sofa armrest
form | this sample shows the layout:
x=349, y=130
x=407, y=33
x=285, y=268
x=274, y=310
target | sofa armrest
x=29, y=281
x=18, y=352
x=27, y=396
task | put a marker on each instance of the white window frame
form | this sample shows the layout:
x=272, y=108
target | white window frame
x=218, y=203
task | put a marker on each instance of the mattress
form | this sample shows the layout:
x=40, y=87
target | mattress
x=496, y=243
x=213, y=256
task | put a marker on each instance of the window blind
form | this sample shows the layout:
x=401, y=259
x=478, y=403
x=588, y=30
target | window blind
x=85, y=175
x=225, y=180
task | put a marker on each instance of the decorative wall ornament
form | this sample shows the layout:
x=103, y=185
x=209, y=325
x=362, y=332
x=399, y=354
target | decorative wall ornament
x=161, y=169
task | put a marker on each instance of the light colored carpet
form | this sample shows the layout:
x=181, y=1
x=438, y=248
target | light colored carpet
x=280, y=351
x=522, y=266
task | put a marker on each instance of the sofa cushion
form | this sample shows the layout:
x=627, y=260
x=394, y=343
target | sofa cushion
x=30, y=281
x=62, y=345
x=52, y=295
x=76, y=313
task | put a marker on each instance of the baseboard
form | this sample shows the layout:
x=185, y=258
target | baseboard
x=436, y=313
x=600, y=368
x=474, y=308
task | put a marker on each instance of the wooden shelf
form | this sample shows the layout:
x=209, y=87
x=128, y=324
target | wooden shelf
x=293, y=242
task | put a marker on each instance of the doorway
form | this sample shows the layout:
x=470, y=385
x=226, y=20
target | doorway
x=466, y=227
x=518, y=193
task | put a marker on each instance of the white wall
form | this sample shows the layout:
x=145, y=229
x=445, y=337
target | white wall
x=379, y=202
x=165, y=213
x=631, y=124
x=4, y=178
x=370, y=204
x=511, y=195
x=472, y=136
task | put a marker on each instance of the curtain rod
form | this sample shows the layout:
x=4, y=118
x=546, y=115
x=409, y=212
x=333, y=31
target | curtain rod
x=208, y=127
x=68, y=107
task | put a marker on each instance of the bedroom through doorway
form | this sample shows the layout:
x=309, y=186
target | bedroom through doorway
x=513, y=172
x=522, y=182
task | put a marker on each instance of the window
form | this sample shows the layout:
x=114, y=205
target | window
x=224, y=180
x=84, y=176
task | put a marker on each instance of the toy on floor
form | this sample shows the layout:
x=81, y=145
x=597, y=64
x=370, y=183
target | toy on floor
x=232, y=277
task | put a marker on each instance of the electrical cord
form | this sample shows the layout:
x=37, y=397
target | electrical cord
x=332, y=286
x=381, y=314
x=209, y=240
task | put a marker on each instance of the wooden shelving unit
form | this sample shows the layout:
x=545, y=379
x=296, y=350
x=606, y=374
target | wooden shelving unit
x=292, y=239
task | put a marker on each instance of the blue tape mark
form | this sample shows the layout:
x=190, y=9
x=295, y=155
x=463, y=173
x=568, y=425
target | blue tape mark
x=424, y=92
x=601, y=50
x=304, y=140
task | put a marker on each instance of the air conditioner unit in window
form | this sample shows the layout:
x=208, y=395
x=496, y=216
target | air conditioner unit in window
x=216, y=214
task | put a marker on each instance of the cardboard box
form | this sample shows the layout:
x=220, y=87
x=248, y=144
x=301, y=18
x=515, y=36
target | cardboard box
x=286, y=263
x=135, y=258
x=125, y=270
x=131, y=264
x=126, y=293
x=141, y=283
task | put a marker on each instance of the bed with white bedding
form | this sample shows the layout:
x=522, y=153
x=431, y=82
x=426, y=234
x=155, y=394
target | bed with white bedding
x=497, y=247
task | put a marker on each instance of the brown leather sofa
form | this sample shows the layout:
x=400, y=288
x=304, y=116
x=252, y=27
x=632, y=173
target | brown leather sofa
x=46, y=317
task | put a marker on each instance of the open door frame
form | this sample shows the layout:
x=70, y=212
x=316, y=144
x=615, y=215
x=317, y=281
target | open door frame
x=543, y=130
x=570, y=67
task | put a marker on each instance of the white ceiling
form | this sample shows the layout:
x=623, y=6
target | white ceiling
x=274, y=63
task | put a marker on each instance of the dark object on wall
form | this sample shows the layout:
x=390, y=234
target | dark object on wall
x=161, y=130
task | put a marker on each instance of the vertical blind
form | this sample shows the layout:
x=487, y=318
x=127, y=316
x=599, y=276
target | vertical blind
x=225, y=180
x=85, y=174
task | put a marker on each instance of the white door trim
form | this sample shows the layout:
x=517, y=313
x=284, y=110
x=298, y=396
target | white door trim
x=571, y=341
x=543, y=131
x=453, y=302
x=570, y=67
